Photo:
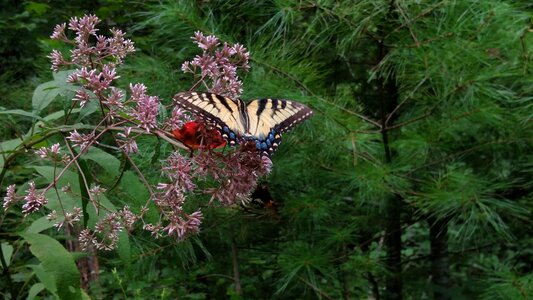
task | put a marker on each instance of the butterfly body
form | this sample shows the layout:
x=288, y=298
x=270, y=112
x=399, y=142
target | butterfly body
x=262, y=121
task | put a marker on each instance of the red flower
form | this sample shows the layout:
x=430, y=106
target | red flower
x=195, y=135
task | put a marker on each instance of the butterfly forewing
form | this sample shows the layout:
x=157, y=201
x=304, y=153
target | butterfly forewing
x=222, y=112
x=269, y=118
x=280, y=115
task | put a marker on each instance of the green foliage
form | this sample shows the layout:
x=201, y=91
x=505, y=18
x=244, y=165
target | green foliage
x=507, y=285
x=57, y=271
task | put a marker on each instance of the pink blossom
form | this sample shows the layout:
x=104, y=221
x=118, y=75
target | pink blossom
x=194, y=221
x=97, y=190
x=52, y=152
x=57, y=60
x=55, y=148
x=82, y=96
x=42, y=152
x=59, y=32
x=10, y=197
x=181, y=228
x=177, y=119
x=34, y=201
x=101, y=44
x=52, y=216
x=70, y=218
x=84, y=27
x=179, y=171
x=81, y=140
x=86, y=239
x=128, y=217
x=218, y=67
x=126, y=142
x=138, y=90
x=120, y=47
x=147, y=107
x=106, y=231
x=243, y=55
x=236, y=172
x=114, y=99
x=155, y=230
x=206, y=43
x=207, y=64
x=107, y=76
x=109, y=227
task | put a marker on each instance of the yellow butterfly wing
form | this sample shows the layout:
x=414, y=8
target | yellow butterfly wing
x=224, y=113
x=269, y=118
x=261, y=120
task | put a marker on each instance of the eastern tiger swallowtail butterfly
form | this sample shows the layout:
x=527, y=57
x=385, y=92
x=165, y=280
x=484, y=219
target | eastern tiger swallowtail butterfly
x=261, y=121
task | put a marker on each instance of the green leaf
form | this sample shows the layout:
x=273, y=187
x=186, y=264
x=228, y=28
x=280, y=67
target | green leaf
x=10, y=145
x=61, y=76
x=46, y=279
x=37, y=8
x=137, y=194
x=107, y=161
x=57, y=263
x=41, y=224
x=59, y=114
x=34, y=290
x=84, y=179
x=124, y=248
x=104, y=206
x=45, y=93
x=7, y=250
x=68, y=177
x=84, y=295
x=19, y=112
x=65, y=200
x=88, y=109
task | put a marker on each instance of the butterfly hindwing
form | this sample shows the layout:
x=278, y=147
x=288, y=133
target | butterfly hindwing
x=269, y=118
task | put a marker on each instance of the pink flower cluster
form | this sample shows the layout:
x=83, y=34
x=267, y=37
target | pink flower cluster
x=96, y=58
x=81, y=140
x=106, y=232
x=70, y=218
x=236, y=172
x=127, y=141
x=112, y=49
x=51, y=153
x=33, y=200
x=171, y=197
x=218, y=65
x=147, y=107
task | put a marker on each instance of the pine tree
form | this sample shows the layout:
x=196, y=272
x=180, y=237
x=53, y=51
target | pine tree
x=419, y=149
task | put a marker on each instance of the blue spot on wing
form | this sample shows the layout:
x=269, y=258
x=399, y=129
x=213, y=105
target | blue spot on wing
x=266, y=145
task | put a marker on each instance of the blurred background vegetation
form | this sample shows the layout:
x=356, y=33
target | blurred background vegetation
x=414, y=178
